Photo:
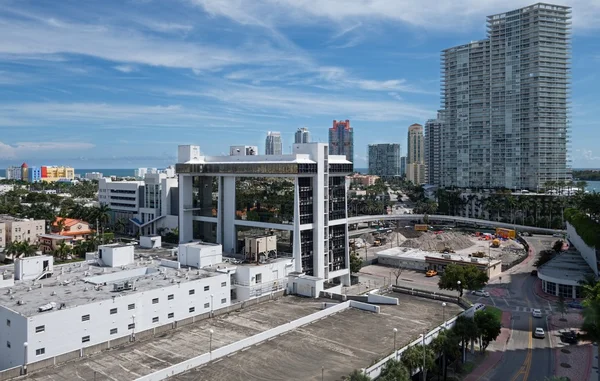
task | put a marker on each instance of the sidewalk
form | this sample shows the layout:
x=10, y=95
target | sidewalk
x=494, y=352
x=580, y=357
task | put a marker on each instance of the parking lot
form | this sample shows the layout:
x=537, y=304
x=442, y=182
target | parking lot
x=336, y=345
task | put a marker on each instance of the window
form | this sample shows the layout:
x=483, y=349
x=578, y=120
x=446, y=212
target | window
x=113, y=311
x=206, y=288
x=8, y=322
x=8, y=344
x=191, y=292
x=192, y=309
x=85, y=339
x=258, y=278
x=131, y=326
x=131, y=306
x=155, y=301
x=170, y=297
x=155, y=319
x=223, y=284
x=224, y=300
x=40, y=328
x=206, y=305
x=85, y=318
x=40, y=351
x=114, y=331
x=171, y=315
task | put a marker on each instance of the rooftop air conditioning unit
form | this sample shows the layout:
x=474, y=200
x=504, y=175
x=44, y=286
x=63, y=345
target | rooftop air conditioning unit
x=47, y=307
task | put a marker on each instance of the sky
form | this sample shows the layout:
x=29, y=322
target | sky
x=120, y=83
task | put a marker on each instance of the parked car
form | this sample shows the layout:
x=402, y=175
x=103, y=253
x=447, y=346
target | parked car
x=536, y=313
x=431, y=273
x=576, y=305
x=569, y=337
x=539, y=333
x=480, y=293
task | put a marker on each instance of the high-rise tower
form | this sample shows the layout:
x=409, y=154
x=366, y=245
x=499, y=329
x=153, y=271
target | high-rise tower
x=273, y=145
x=302, y=136
x=341, y=139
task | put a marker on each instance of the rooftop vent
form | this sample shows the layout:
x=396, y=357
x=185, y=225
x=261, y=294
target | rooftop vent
x=53, y=293
x=127, y=285
x=20, y=302
x=47, y=307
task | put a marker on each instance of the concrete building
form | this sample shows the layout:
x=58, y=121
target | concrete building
x=54, y=173
x=384, y=160
x=341, y=139
x=14, y=173
x=318, y=226
x=302, y=136
x=2, y=234
x=147, y=206
x=93, y=175
x=364, y=180
x=69, y=227
x=415, y=159
x=111, y=298
x=433, y=149
x=403, y=165
x=273, y=144
x=506, y=102
x=22, y=229
x=50, y=242
x=416, y=259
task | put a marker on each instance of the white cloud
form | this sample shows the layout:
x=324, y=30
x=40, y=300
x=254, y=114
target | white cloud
x=125, y=68
x=22, y=149
x=439, y=15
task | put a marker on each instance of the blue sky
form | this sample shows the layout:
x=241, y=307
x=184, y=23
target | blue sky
x=119, y=84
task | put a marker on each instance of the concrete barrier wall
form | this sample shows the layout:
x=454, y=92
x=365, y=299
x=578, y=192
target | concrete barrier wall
x=327, y=305
x=358, y=298
x=380, y=299
x=364, y=306
x=119, y=341
x=333, y=295
x=7, y=374
x=40, y=364
x=244, y=343
x=426, y=294
x=95, y=348
x=67, y=356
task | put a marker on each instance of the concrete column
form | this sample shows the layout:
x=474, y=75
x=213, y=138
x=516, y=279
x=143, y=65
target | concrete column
x=296, y=251
x=227, y=206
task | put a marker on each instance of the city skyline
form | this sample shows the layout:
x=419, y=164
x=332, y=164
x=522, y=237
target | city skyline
x=120, y=85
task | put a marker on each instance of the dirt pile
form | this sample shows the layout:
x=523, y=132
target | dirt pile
x=435, y=242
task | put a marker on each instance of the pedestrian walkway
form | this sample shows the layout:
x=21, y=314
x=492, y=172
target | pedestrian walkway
x=495, y=351
x=579, y=356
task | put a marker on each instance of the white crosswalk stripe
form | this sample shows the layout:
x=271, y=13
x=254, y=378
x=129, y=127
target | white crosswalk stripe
x=529, y=309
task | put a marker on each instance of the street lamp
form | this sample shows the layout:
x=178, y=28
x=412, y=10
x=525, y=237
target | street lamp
x=395, y=332
x=444, y=313
x=459, y=289
x=424, y=355
x=210, y=332
x=211, y=305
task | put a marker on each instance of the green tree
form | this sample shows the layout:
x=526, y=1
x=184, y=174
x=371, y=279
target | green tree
x=27, y=249
x=446, y=344
x=470, y=277
x=357, y=375
x=488, y=327
x=412, y=358
x=591, y=322
x=394, y=371
x=355, y=262
x=466, y=330
x=62, y=251
x=561, y=306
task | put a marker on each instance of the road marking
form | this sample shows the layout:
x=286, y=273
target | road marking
x=493, y=301
x=508, y=305
x=549, y=305
x=526, y=367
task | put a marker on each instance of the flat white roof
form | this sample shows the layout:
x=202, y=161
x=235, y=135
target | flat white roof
x=406, y=253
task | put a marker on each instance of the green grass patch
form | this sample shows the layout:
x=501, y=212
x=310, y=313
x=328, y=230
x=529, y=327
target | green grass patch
x=467, y=367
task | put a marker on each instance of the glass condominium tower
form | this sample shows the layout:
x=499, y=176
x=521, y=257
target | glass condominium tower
x=506, y=102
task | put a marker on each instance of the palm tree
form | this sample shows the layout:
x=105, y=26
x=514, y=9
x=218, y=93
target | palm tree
x=445, y=344
x=60, y=224
x=591, y=322
x=12, y=249
x=394, y=371
x=62, y=251
x=26, y=249
x=357, y=375
x=466, y=330
x=120, y=225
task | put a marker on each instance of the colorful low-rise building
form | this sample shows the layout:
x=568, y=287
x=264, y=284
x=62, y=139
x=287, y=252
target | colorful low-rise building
x=50, y=242
x=70, y=227
x=52, y=173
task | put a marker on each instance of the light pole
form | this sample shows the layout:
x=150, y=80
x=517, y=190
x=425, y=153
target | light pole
x=322, y=373
x=395, y=332
x=424, y=355
x=459, y=289
x=133, y=328
x=444, y=313
x=211, y=305
x=25, y=344
x=210, y=333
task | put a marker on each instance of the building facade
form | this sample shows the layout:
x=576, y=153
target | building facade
x=302, y=136
x=22, y=229
x=93, y=176
x=147, y=206
x=53, y=173
x=341, y=139
x=506, y=102
x=384, y=160
x=14, y=173
x=318, y=225
x=415, y=158
x=403, y=165
x=273, y=143
x=433, y=149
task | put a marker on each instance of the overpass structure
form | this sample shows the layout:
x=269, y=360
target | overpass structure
x=473, y=222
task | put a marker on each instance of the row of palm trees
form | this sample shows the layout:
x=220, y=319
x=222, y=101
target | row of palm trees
x=62, y=252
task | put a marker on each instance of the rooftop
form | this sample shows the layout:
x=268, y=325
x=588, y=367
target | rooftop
x=407, y=253
x=569, y=265
x=80, y=283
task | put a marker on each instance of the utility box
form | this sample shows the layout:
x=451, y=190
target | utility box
x=199, y=254
x=34, y=268
x=255, y=247
x=116, y=255
x=186, y=153
x=153, y=242
x=243, y=150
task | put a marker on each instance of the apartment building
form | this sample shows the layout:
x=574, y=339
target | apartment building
x=341, y=139
x=384, y=160
x=506, y=101
x=302, y=136
x=273, y=144
x=415, y=158
x=21, y=229
x=433, y=149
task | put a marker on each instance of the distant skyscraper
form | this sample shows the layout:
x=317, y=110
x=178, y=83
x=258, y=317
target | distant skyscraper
x=302, y=136
x=433, y=149
x=415, y=159
x=403, y=166
x=384, y=159
x=273, y=144
x=341, y=139
x=505, y=101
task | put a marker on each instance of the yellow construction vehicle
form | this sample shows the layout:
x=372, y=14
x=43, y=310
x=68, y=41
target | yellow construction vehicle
x=496, y=242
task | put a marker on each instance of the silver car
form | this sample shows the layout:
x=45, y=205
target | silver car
x=480, y=293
